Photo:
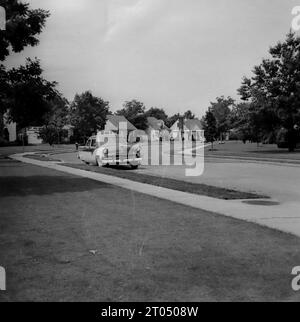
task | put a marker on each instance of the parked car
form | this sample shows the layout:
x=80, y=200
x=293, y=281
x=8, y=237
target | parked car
x=110, y=149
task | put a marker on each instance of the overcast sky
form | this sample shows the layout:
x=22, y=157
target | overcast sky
x=175, y=54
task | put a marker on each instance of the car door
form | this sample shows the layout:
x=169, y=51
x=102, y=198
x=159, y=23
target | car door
x=92, y=151
x=86, y=152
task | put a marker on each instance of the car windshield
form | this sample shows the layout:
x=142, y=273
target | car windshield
x=112, y=140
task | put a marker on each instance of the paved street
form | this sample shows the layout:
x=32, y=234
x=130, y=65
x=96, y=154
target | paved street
x=277, y=180
x=65, y=237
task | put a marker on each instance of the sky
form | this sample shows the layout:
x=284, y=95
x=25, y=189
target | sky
x=171, y=54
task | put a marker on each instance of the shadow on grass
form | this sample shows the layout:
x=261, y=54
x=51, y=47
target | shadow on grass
x=165, y=182
x=284, y=152
x=45, y=185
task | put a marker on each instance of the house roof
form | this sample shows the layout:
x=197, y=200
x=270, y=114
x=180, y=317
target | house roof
x=193, y=125
x=190, y=125
x=139, y=132
x=117, y=119
x=156, y=124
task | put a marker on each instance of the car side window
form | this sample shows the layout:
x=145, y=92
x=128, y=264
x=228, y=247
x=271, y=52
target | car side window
x=88, y=143
x=94, y=143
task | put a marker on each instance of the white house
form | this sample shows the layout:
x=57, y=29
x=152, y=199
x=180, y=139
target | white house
x=116, y=123
x=10, y=128
x=33, y=135
x=192, y=130
x=157, y=129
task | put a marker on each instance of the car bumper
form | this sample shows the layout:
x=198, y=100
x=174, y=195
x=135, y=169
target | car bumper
x=111, y=161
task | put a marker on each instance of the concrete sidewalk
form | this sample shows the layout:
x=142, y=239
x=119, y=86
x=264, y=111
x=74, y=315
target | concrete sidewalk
x=284, y=217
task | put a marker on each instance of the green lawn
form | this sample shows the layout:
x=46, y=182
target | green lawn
x=199, y=189
x=251, y=150
x=147, y=249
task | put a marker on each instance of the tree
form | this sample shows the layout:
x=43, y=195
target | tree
x=22, y=26
x=243, y=119
x=134, y=112
x=88, y=114
x=158, y=113
x=210, y=127
x=55, y=120
x=222, y=112
x=172, y=119
x=274, y=90
x=27, y=94
x=189, y=115
x=48, y=134
x=24, y=93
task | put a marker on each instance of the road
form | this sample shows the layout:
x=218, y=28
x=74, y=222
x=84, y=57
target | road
x=280, y=181
x=67, y=238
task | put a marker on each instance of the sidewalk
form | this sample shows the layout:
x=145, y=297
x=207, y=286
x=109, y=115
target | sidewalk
x=282, y=217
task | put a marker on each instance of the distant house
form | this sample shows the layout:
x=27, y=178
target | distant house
x=157, y=129
x=68, y=133
x=137, y=134
x=119, y=124
x=192, y=130
x=33, y=136
x=10, y=130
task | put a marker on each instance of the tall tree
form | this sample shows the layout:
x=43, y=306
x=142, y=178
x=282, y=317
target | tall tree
x=221, y=109
x=55, y=120
x=189, y=115
x=274, y=89
x=27, y=94
x=24, y=93
x=134, y=112
x=158, y=113
x=210, y=127
x=243, y=119
x=23, y=25
x=88, y=114
x=172, y=119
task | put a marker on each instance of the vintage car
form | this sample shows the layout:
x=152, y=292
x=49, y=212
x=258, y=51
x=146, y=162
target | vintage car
x=110, y=149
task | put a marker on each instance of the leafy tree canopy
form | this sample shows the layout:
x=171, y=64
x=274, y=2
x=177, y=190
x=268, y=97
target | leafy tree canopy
x=210, y=126
x=158, y=113
x=88, y=114
x=172, y=119
x=221, y=109
x=23, y=25
x=27, y=94
x=189, y=115
x=274, y=89
x=134, y=112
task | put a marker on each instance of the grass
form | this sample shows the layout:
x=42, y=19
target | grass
x=147, y=249
x=198, y=189
x=269, y=152
x=41, y=157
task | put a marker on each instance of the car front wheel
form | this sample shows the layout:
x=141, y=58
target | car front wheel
x=99, y=162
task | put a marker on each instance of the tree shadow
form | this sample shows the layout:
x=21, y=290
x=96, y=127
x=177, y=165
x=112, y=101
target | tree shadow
x=279, y=152
x=44, y=185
